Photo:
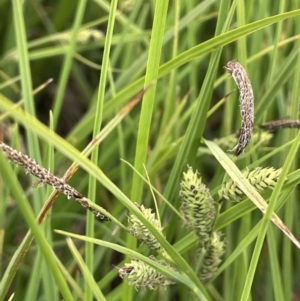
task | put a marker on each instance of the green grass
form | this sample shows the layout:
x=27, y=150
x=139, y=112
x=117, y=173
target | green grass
x=50, y=248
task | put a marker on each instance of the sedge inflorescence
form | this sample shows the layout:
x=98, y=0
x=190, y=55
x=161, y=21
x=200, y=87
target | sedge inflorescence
x=197, y=206
x=139, y=230
x=259, y=178
x=142, y=275
x=45, y=177
x=199, y=213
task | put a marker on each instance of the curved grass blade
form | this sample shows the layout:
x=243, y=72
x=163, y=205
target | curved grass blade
x=12, y=182
x=177, y=276
x=183, y=58
x=89, y=279
x=24, y=246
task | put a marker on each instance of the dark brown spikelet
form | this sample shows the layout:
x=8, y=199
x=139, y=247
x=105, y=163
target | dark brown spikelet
x=246, y=104
x=45, y=177
x=280, y=124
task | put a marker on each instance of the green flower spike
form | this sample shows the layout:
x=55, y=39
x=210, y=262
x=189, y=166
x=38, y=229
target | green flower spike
x=138, y=229
x=230, y=141
x=212, y=258
x=197, y=207
x=140, y=274
x=259, y=178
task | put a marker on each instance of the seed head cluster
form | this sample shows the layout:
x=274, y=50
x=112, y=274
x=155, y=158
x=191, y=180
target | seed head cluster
x=199, y=213
x=260, y=178
x=197, y=206
x=212, y=259
x=142, y=275
x=138, y=229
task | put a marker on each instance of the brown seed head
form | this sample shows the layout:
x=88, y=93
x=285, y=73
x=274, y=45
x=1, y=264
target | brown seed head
x=246, y=103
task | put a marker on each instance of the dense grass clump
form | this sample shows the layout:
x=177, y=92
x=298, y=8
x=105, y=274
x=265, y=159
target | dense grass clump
x=108, y=102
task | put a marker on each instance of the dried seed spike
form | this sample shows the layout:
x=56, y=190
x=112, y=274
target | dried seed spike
x=281, y=123
x=246, y=104
x=46, y=177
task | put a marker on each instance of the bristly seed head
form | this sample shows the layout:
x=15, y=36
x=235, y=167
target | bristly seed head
x=142, y=275
x=212, y=259
x=259, y=178
x=138, y=229
x=197, y=207
x=46, y=177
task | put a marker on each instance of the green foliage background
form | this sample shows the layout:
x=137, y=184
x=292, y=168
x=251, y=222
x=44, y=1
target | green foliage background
x=179, y=48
